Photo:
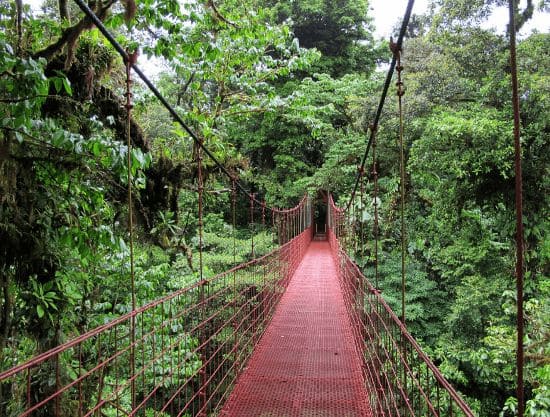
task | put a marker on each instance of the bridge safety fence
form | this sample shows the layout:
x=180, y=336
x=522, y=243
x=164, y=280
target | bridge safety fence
x=400, y=378
x=189, y=347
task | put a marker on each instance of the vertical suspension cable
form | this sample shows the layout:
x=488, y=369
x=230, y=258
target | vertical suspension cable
x=129, y=62
x=361, y=209
x=252, y=224
x=234, y=218
x=294, y=222
x=200, y=189
x=263, y=214
x=304, y=214
x=275, y=224
x=373, y=130
x=235, y=306
x=362, y=245
x=353, y=227
x=400, y=93
x=202, y=340
x=301, y=212
x=285, y=227
x=519, y=209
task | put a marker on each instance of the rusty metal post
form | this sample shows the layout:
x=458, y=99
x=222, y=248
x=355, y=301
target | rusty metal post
x=519, y=210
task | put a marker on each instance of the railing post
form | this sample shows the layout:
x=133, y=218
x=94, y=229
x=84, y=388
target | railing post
x=235, y=301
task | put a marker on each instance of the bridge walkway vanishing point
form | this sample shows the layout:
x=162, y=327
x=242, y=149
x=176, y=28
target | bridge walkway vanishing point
x=306, y=364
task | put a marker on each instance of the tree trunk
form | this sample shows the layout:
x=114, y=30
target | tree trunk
x=64, y=10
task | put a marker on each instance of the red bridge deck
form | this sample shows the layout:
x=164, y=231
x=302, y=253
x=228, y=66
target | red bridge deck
x=306, y=364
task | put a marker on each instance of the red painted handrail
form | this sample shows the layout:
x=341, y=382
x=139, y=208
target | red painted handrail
x=401, y=378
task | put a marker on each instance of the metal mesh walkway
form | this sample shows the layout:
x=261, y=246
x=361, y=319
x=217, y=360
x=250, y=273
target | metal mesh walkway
x=306, y=364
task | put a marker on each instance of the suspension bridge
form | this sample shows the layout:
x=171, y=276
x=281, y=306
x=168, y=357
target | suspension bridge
x=298, y=332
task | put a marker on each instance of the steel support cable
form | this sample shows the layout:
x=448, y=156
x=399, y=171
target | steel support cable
x=400, y=93
x=375, y=202
x=519, y=210
x=129, y=61
x=263, y=213
x=353, y=228
x=398, y=45
x=99, y=24
x=361, y=209
x=234, y=238
x=362, y=239
x=203, y=283
x=234, y=219
x=252, y=229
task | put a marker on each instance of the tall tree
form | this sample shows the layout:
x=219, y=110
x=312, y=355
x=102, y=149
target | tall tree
x=452, y=12
x=341, y=30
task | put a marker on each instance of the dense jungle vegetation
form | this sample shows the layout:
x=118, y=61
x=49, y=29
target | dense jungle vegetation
x=282, y=93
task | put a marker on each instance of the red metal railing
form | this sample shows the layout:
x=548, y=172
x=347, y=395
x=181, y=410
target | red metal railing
x=400, y=378
x=188, y=347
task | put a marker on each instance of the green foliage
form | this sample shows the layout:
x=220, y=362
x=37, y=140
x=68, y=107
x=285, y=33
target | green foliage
x=461, y=172
x=460, y=208
x=225, y=247
x=480, y=136
x=319, y=125
x=423, y=300
x=44, y=299
x=23, y=81
x=286, y=115
x=469, y=12
x=55, y=201
x=340, y=30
